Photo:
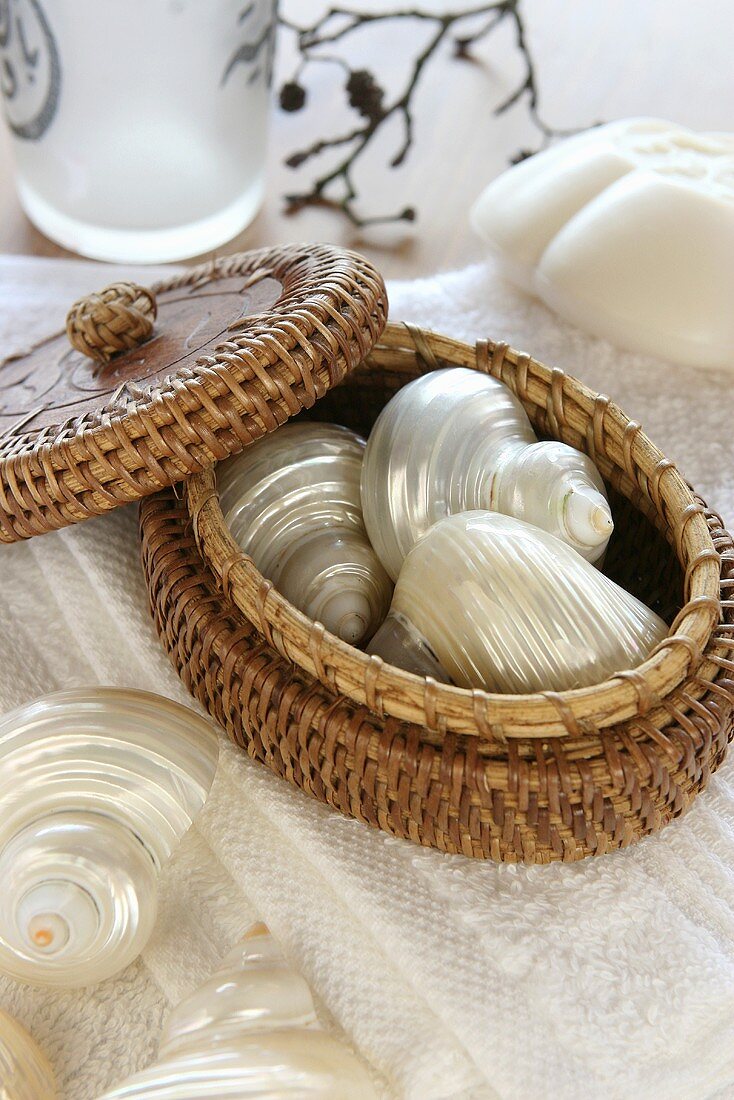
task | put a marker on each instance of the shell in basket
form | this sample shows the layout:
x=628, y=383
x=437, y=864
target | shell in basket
x=457, y=440
x=97, y=786
x=250, y=1030
x=24, y=1070
x=292, y=502
x=507, y=607
x=508, y=777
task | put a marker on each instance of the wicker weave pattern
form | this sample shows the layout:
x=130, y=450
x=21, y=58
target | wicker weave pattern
x=559, y=406
x=332, y=309
x=118, y=318
x=531, y=778
x=531, y=801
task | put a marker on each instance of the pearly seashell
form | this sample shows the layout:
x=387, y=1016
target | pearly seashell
x=456, y=440
x=491, y=602
x=626, y=230
x=251, y=1030
x=97, y=786
x=25, y=1073
x=292, y=502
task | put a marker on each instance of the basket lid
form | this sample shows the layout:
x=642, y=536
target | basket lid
x=148, y=386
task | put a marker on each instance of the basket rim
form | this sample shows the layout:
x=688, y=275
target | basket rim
x=579, y=416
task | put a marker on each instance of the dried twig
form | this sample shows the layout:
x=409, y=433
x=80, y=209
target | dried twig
x=336, y=189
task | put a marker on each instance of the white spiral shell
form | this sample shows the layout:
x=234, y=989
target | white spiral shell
x=456, y=440
x=97, y=786
x=249, y=1031
x=25, y=1073
x=292, y=502
x=501, y=605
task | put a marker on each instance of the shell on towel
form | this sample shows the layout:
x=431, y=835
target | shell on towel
x=25, y=1073
x=249, y=1031
x=97, y=787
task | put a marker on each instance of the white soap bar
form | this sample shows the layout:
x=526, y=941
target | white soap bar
x=626, y=230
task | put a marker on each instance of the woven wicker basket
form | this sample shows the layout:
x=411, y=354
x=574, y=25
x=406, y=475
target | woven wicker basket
x=240, y=344
x=534, y=778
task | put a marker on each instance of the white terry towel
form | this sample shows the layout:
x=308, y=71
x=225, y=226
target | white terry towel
x=607, y=979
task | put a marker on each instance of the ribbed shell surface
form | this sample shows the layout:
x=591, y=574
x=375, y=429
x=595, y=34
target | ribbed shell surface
x=292, y=502
x=509, y=608
x=453, y=441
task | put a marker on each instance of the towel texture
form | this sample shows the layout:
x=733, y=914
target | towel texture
x=454, y=979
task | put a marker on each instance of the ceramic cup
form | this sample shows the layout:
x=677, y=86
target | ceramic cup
x=139, y=126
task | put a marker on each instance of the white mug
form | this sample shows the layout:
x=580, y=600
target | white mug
x=139, y=126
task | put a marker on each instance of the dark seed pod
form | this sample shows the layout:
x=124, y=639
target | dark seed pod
x=292, y=96
x=365, y=94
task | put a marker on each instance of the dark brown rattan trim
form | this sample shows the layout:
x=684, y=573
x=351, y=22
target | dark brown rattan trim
x=522, y=800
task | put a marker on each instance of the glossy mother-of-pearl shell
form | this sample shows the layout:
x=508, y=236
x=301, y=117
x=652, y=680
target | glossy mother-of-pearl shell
x=251, y=1030
x=97, y=786
x=292, y=502
x=627, y=230
x=456, y=440
x=504, y=606
x=24, y=1070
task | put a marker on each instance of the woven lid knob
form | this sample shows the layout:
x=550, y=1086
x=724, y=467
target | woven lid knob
x=116, y=319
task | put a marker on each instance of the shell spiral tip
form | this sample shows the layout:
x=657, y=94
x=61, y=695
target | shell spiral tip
x=48, y=932
x=354, y=619
x=601, y=520
x=250, y=1030
x=587, y=516
x=256, y=930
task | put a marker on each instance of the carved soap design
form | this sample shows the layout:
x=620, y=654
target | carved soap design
x=626, y=230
